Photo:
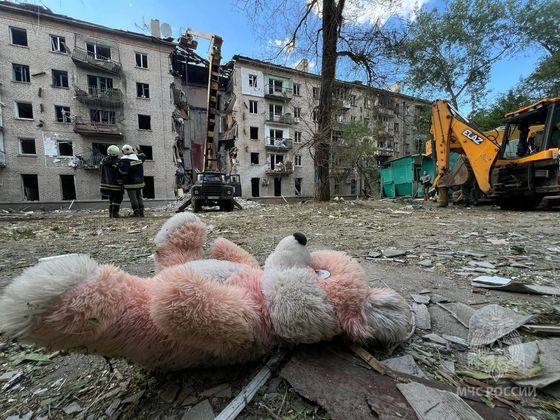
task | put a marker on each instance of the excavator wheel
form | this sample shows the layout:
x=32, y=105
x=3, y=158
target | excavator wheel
x=518, y=203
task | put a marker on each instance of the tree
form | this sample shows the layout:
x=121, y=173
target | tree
x=451, y=51
x=357, y=151
x=493, y=116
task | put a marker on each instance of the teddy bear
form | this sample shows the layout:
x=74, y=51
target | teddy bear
x=200, y=312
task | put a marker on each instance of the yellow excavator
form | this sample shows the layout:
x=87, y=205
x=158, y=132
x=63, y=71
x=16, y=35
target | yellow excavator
x=516, y=166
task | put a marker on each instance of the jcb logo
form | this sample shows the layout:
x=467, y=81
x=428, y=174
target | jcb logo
x=475, y=138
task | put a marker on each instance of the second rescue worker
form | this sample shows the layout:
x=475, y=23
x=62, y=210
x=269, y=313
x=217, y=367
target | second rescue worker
x=131, y=169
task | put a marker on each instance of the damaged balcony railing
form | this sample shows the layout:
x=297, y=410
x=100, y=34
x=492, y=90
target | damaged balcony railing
x=100, y=96
x=281, y=169
x=276, y=144
x=97, y=129
x=284, y=118
x=86, y=59
x=283, y=94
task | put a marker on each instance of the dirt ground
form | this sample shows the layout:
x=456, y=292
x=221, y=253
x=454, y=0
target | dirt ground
x=438, y=249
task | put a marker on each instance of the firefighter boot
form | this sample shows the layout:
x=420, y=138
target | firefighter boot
x=141, y=211
x=116, y=208
x=111, y=214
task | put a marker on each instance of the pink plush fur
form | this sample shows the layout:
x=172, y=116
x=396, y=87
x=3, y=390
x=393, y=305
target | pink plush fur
x=197, y=312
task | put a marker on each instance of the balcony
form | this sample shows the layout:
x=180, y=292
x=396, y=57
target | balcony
x=275, y=144
x=281, y=169
x=341, y=103
x=385, y=151
x=97, y=129
x=279, y=94
x=85, y=59
x=97, y=97
x=282, y=119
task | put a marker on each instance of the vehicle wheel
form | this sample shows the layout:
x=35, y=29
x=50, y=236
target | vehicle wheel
x=196, y=205
x=518, y=203
x=227, y=205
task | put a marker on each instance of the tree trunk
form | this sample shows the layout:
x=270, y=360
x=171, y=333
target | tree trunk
x=332, y=15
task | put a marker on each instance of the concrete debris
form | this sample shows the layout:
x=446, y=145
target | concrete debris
x=404, y=364
x=471, y=254
x=426, y=263
x=422, y=316
x=460, y=311
x=392, y=253
x=435, y=338
x=509, y=285
x=440, y=299
x=482, y=264
x=72, y=408
x=493, y=322
x=202, y=411
x=448, y=365
x=542, y=354
x=434, y=404
x=374, y=254
x=420, y=298
x=456, y=340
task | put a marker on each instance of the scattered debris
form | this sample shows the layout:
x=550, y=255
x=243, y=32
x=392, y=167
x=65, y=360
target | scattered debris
x=501, y=283
x=202, y=411
x=420, y=298
x=542, y=354
x=392, y=253
x=422, y=316
x=72, y=408
x=492, y=322
x=404, y=364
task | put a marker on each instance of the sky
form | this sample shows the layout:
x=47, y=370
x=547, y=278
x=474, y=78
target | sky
x=240, y=33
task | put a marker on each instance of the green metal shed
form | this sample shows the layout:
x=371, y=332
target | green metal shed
x=401, y=177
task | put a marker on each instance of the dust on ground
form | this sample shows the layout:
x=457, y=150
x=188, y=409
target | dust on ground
x=410, y=246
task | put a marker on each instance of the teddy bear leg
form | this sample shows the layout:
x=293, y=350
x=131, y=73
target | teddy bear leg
x=222, y=249
x=180, y=240
x=205, y=314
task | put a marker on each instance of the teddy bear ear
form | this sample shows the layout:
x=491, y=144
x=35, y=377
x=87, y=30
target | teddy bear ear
x=297, y=305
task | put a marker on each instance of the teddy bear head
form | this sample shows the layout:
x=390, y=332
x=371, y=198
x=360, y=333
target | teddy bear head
x=314, y=296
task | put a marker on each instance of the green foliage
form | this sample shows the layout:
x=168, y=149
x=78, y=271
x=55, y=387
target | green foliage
x=545, y=79
x=493, y=116
x=451, y=51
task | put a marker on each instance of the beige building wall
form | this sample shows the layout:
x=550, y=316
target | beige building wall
x=47, y=163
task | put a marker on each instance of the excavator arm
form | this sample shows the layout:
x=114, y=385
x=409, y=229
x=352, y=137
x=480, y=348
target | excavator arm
x=451, y=131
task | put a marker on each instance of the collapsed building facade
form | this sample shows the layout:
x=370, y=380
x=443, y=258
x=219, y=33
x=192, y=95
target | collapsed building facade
x=69, y=90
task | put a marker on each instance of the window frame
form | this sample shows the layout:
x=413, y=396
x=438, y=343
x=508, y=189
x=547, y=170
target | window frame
x=251, y=130
x=61, y=41
x=64, y=114
x=256, y=106
x=61, y=73
x=149, y=120
x=297, y=112
x=297, y=137
x=22, y=67
x=97, y=55
x=102, y=113
x=142, y=56
x=297, y=89
x=69, y=142
x=255, y=161
x=11, y=28
x=20, y=149
x=18, y=114
x=144, y=87
x=253, y=80
x=296, y=159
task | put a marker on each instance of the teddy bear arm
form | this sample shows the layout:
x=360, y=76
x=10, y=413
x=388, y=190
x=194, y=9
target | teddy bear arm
x=223, y=249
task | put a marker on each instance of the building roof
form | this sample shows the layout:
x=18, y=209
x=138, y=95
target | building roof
x=359, y=85
x=46, y=13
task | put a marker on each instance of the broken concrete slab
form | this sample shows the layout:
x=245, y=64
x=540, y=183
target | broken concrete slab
x=439, y=298
x=435, y=338
x=420, y=298
x=392, y=252
x=435, y=404
x=202, y=411
x=460, y=311
x=540, y=353
x=482, y=264
x=509, y=285
x=422, y=316
x=492, y=322
x=448, y=365
x=72, y=408
x=404, y=364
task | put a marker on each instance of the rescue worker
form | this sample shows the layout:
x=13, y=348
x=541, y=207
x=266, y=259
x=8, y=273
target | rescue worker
x=131, y=169
x=426, y=181
x=111, y=184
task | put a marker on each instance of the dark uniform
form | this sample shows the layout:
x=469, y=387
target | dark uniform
x=131, y=170
x=111, y=184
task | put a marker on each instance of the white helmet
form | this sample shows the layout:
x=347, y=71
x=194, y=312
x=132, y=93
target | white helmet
x=127, y=149
x=113, y=150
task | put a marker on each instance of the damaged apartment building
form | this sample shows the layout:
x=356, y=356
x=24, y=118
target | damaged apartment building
x=69, y=90
x=269, y=116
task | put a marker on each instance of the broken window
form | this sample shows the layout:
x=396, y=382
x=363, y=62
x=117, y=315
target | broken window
x=142, y=90
x=275, y=136
x=353, y=100
x=276, y=111
x=275, y=86
x=98, y=84
x=60, y=78
x=298, y=182
x=316, y=93
x=20, y=73
x=297, y=137
x=144, y=122
x=297, y=89
x=65, y=148
x=254, y=133
x=253, y=80
x=149, y=190
x=27, y=147
x=396, y=127
x=276, y=160
x=19, y=36
x=147, y=150
x=62, y=113
x=24, y=110
x=367, y=103
x=30, y=187
x=58, y=44
x=253, y=107
x=99, y=52
x=254, y=158
x=142, y=60
x=101, y=116
x=297, y=112
x=297, y=160
x=68, y=187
